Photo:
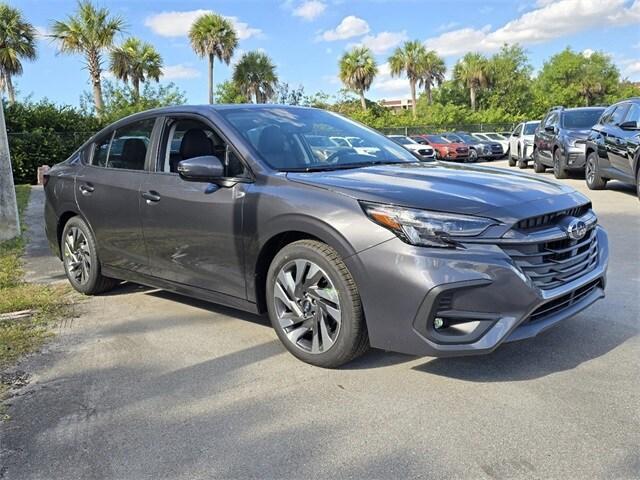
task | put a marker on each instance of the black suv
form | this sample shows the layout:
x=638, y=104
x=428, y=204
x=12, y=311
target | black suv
x=560, y=139
x=613, y=146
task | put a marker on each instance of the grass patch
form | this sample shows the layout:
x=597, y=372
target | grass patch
x=48, y=303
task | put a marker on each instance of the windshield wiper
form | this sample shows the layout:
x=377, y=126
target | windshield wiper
x=343, y=166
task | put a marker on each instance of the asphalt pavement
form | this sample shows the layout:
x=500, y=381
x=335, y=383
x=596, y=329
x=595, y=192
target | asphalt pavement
x=148, y=384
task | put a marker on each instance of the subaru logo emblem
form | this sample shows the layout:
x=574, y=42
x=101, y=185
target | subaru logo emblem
x=577, y=229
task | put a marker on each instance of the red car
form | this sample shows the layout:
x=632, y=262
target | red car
x=445, y=149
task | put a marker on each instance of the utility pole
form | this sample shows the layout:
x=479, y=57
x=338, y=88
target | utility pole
x=9, y=221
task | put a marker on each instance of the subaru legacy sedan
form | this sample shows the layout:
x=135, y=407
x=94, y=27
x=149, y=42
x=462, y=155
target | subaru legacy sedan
x=344, y=249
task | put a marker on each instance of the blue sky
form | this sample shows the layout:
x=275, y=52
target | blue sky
x=306, y=37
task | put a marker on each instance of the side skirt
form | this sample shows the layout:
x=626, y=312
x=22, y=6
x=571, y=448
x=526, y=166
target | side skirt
x=186, y=290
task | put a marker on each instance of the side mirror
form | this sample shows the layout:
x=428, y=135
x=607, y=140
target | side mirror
x=630, y=125
x=550, y=129
x=201, y=169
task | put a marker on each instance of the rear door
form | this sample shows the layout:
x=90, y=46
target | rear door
x=108, y=193
x=193, y=230
x=546, y=138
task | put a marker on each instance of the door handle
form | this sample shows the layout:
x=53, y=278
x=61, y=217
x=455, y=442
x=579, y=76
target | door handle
x=151, y=197
x=86, y=189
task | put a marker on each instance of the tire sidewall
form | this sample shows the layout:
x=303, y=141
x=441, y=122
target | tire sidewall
x=349, y=308
x=94, y=273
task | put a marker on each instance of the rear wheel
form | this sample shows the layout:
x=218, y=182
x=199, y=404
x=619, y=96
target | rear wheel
x=314, y=305
x=538, y=167
x=512, y=161
x=80, y=258
x=522, y=163
x=559, y=168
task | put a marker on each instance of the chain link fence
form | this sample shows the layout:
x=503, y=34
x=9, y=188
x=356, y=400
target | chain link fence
x=455, y=127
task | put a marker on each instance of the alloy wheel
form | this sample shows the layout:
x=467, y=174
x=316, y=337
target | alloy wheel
x=77, y=255
x=307, y=306
x=590, y=172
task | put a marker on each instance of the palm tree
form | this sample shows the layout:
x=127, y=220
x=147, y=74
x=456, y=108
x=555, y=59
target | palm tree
x=358, y=68
x=17, y=42
x=409, y=60
x=137, y=61
x=213, y=36
x=433, y=72
x=89, y=32
x=472, y=71
x=255, y=75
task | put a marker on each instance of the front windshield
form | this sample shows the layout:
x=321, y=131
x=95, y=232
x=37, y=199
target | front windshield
x=581, y=118
x=530, y=128
x=437, y=139
x=306, y=139
x=467, y=138
x=495, y=136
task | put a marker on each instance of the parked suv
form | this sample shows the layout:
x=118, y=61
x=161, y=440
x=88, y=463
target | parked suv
x=521, y=143
x=613, y=146
x=560, y=139
x=229, y=203
x=423, y=152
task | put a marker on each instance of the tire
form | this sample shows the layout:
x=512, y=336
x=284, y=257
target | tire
x=80, y=259
x=559, y=169
x=638, y=183
x=591, y=174
x=298, y=310
x=512, y=162
x=538, y=167
x=473, y=156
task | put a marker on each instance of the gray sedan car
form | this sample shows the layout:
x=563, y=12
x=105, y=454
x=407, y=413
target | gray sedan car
x=344, y=248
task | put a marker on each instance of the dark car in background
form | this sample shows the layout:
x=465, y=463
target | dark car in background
x=478, y=149
x=560, y=139
x=235, y=204
x=613, y=146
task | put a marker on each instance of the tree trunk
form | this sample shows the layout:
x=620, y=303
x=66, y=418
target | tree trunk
x=429, y=95
x=9, y=220
x=93, y=64
x=472, y=96
x=413, y=97
x=363, y=102
x=211, y=78
x=11, y=92
x=136, y=89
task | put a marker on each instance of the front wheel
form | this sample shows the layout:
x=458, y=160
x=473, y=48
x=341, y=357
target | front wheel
x=592, y=175
x=80, y=258
x=314, y=305
x=473, y=156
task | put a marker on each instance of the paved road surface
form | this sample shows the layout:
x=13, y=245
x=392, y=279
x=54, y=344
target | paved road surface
x=147, y=384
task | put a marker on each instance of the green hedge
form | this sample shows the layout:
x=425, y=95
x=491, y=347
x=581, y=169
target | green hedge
x=43, y=133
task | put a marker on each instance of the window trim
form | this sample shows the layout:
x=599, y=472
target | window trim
x=630, y=106
x=162, y=142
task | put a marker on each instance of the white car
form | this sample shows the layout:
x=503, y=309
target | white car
x=356, y=143
x=494, y=137
x=425, y=152
x=521, y=143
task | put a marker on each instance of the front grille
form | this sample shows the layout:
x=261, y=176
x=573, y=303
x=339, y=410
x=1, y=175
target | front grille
x=554, y=263
x=462, y=150
x=496, y=148
x=565, y=301
x=549, y=218
x=425, y=152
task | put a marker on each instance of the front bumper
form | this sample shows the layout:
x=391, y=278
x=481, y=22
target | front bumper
x=405, y=288
x=575, y=157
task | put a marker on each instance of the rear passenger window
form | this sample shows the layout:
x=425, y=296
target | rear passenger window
x=127, y=148
x=634, y=113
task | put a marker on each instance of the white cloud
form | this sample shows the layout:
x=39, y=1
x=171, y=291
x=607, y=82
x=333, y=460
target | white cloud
x=384, y=41
x=177, y=24
x=632, y=70
x=548, y=21
x=179, y=71
x=386, y=86
x=310, y=9
x=587, y=52
x=447, y=26
x=42, y=32
x=349, y=27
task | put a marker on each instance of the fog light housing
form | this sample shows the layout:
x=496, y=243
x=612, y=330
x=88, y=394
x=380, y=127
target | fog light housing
x=438, y=323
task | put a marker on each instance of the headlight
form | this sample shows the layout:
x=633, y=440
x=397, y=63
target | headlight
x=572, y=141
x=425, y=228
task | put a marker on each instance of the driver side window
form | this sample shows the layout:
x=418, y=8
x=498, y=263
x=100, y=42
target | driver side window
x=187, y=138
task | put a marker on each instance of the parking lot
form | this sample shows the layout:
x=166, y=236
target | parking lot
x=148, y=384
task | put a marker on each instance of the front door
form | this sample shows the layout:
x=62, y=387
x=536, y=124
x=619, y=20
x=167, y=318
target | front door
x=108, y=194
x=193, y=230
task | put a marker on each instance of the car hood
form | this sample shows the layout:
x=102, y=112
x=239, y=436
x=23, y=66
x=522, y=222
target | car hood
x=446, y=187
x=578, y=132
